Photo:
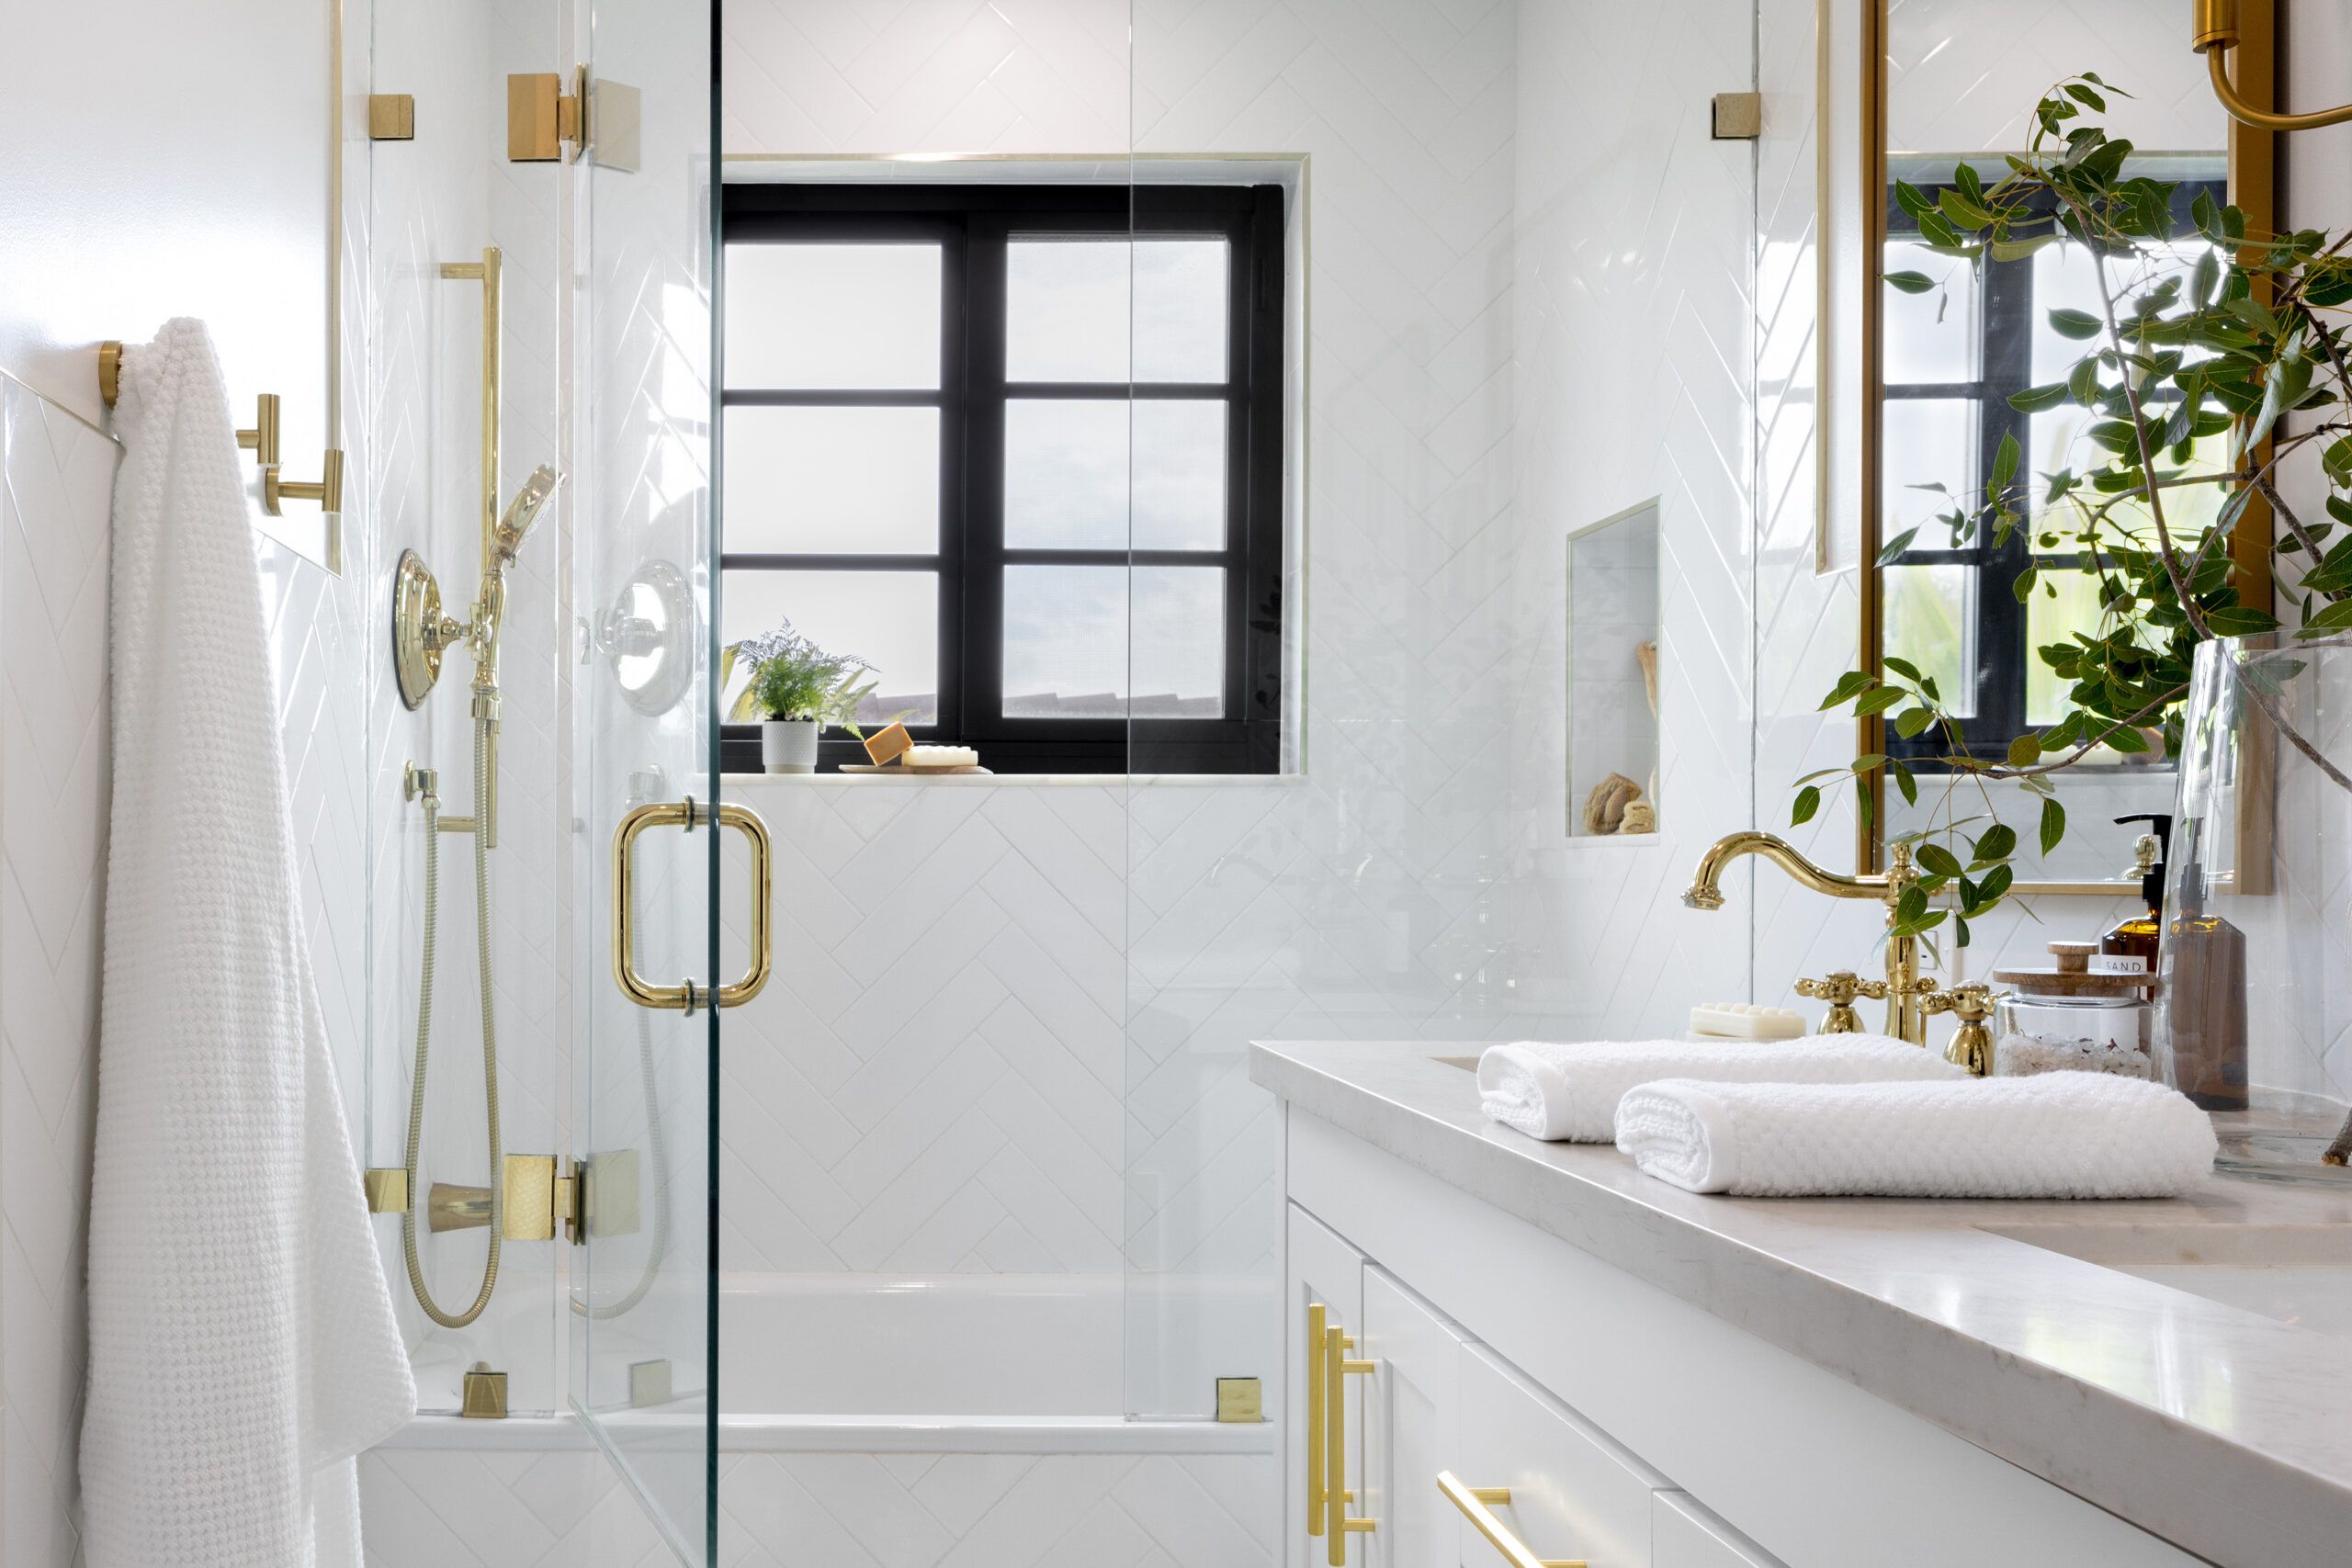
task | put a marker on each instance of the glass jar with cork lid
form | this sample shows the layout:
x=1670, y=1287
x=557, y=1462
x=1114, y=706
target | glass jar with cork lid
x=2073, y=1018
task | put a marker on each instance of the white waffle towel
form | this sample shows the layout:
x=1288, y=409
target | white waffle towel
x=2051, y=1136
x=242, y=1348
x=1569, y=1093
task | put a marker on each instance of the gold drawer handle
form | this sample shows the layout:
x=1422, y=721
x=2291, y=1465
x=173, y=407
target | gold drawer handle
x=689, y=814
x=1316, y=1313
x=1478, y=1505
x=1337, y=1369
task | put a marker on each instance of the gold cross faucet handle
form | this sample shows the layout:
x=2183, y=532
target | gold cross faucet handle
x=1839, y=989
x=1972, y=1047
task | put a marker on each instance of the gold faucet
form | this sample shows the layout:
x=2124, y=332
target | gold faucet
x=1905, y=1020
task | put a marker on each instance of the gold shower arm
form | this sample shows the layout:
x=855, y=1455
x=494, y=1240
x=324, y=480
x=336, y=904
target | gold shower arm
x=2214, y=32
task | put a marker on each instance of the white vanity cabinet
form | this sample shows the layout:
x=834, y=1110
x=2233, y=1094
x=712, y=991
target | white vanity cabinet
x=1588, y=1417
x=1429, y=1402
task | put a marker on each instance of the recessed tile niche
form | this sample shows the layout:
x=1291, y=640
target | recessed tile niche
x=1613, y=677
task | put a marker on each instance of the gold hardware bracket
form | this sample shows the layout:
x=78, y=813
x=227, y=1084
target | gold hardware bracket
x=391, y=117
x=1240, y=1400
x=326, y=489
x=541, y=117
x=109, y=372
x=1738, y=117
x=1477, y=1505
x=485, y=1394
x=650, y=1384
x=388, y=1192
x=687, y=997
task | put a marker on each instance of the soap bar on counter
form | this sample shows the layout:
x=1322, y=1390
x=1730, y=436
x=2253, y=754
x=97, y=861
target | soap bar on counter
x=1744, y=1021
x=939, y=757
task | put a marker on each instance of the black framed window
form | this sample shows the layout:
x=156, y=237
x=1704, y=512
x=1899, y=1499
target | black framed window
x=1020, y=446
x=1951, y=360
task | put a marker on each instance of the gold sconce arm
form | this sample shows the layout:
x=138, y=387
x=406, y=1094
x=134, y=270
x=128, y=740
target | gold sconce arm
x=2214, y=33
x=1478, y=1505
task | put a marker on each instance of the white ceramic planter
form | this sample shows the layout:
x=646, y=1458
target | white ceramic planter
x=789, y=745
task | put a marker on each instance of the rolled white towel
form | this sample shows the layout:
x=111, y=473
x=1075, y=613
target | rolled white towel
x=1569, y=1093
x=2052, y=1135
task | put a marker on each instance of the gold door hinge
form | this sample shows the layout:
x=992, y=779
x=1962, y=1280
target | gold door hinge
x=391, y=117
x=1240, y=1400
x=1738, y=117
x=388, y=1192
x=541, y=117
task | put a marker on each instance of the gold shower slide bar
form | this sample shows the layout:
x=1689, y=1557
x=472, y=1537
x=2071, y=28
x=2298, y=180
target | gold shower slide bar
x=490, y=272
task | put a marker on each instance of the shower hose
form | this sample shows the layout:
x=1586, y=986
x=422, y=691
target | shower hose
x=434, y=1309
x=656, y=1144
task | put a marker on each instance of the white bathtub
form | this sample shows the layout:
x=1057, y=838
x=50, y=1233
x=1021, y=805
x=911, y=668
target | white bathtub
x=980, y=1413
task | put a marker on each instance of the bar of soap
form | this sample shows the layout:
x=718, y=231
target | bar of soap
x=1744, y=1021
x=889, y=744
x=939, y=757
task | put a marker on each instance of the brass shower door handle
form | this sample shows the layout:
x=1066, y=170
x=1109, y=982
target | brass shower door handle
x=686, y=996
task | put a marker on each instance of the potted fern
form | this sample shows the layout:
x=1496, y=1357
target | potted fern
x=796, y=689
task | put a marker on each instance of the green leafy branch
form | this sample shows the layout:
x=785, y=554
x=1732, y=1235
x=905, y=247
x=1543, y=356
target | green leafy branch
x=2223, y=339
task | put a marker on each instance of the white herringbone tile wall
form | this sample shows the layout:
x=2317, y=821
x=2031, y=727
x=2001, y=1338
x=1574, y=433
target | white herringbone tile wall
x=1637, y=337
x=56, y=489
x=429, y=1509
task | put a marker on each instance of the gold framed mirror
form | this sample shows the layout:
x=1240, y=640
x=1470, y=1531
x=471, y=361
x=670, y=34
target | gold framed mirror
x=1943, y=85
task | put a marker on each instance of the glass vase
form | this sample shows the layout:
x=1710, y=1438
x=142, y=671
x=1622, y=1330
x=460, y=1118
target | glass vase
x=2255, y=996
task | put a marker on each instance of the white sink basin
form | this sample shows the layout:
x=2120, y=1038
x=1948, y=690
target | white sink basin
x=2295, y=1274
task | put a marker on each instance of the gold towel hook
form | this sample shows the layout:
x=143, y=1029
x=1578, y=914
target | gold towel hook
x=109, y=372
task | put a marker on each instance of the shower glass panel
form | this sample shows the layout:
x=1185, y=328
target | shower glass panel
x=644, y=1338
x=554, y=676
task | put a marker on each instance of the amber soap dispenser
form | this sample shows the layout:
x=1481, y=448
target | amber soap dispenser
x=2129, y=947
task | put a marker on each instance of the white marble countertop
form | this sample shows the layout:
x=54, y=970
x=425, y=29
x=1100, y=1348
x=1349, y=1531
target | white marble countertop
x=2225, y=1431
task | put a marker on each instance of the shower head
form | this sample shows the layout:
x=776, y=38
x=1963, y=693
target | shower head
x=524, y=510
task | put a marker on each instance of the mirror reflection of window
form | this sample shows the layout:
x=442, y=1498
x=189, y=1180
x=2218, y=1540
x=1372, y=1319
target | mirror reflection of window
x=1961, y=88
x=1972, y=611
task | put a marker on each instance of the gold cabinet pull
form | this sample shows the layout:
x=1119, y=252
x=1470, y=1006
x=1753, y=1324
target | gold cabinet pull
x=685, y=997
x=1337, y=1369
x=1316, y=1413
x=1478, y=1505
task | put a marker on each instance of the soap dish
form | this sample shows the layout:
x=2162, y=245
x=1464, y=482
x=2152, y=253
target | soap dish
x=1744, y=1021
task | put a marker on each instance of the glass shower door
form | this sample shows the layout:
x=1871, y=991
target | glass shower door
x=645, y=943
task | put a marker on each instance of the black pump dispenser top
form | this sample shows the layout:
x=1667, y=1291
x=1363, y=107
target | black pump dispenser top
x=2152, y=883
